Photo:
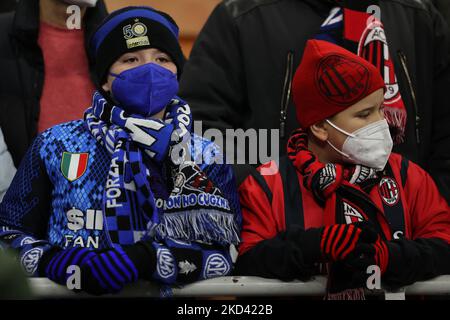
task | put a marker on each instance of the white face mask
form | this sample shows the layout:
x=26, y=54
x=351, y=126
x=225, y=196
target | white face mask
x=82, y=3
x=369, y=146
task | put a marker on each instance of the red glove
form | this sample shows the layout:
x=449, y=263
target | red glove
x=340, y=240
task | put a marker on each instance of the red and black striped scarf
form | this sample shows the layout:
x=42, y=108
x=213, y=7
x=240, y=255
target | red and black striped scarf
x=356, y=26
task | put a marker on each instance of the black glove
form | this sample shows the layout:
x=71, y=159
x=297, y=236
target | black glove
x=369, y=254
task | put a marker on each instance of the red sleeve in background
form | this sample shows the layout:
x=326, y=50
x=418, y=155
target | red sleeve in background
x=68, y=89
x=430, y=213
x=260, y=222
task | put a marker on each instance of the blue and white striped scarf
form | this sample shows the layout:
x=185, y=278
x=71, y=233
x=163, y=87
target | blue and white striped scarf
x=138, y=147
x=142, y=173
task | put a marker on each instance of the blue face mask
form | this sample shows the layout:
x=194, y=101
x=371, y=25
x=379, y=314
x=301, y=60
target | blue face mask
x=144, y=90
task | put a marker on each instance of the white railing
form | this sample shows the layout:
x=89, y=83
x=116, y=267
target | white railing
x=239, y=287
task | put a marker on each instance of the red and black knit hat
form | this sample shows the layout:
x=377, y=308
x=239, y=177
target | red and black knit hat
x=329, y=80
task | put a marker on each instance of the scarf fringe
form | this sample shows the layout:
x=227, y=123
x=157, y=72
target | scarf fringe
x=396, y=119
x=203, y=225
x=349, y=294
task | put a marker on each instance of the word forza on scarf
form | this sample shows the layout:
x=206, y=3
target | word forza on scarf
x=141, y=179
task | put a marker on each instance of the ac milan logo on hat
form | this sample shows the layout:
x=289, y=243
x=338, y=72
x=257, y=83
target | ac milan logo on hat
x=389, y=191
x=342, y=81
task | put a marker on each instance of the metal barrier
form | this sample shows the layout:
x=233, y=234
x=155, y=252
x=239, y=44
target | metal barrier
x=238, y=287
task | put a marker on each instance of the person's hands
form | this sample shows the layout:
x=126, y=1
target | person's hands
x=339, y=241
x=365, y=255
x=105, y=271
x=369, y=254
x=56, y=262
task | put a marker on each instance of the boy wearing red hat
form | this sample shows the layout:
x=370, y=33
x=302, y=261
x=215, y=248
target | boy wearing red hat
x=340, y=196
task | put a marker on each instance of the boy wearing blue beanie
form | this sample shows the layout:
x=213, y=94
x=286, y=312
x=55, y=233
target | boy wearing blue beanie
x=118, y=194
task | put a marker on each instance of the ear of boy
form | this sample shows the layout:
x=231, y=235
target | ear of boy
x=319, y=131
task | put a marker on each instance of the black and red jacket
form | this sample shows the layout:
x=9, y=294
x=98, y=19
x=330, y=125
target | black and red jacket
x=277, y=209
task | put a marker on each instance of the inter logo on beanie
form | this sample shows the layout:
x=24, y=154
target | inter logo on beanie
x=130, y=29
x=136, y=35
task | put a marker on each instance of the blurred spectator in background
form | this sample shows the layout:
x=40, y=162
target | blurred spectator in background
x=13, y=282
x=39, y=56
x=7, y=168
x=239, y=71
x=443, y=7
x=7, y=5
